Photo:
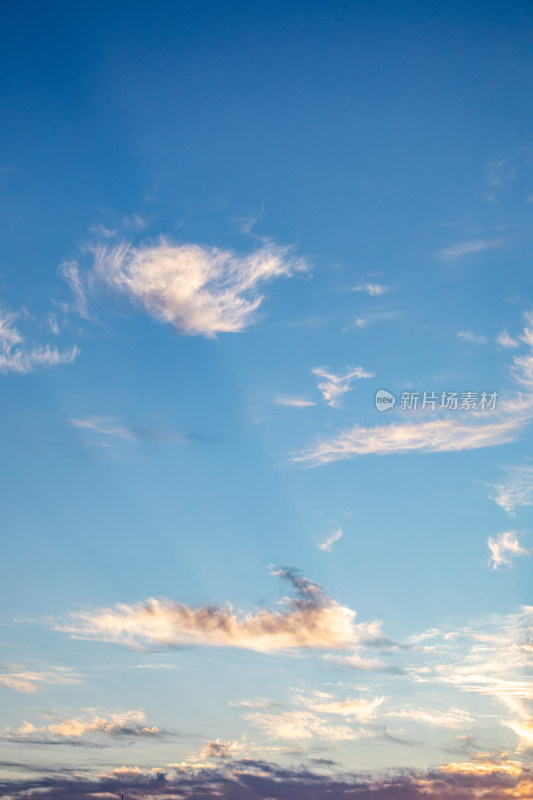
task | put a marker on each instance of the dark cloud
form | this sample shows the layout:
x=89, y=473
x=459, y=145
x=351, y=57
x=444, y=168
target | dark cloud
x=257, y=780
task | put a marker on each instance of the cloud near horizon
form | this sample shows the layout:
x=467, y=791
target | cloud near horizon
x=198, y=290
x=309, y=620
x=484, y=777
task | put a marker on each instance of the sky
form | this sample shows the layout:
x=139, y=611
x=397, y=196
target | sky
x=266, y=400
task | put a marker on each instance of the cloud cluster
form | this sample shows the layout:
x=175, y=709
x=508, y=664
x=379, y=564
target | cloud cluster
x=484, y=778
x=309, y=620
x=15, y=357
x=198, y=290
x=443, y=434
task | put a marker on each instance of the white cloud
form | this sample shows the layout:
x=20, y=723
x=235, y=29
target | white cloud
x=16, y=358
x=104, y=426
x=470, y=336
x=516, y=489
x=198, y=290
x=126, y=723
x=504, y=548
x=294, y=402
x=373, y=289
x=334, y=386
x=299, y=725
x=327, y=543
x=505, y=340
x=123, y=723
x=360, y=708
x=465, y=248
x=309, y=620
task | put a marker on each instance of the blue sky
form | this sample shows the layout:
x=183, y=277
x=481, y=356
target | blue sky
x=225, y=227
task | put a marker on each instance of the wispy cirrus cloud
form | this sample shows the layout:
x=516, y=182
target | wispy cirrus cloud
x=454, y=718
x=16, y=357
x=373, y=289
x=329, y=539
x=436, y=436
x=301, y=725
x=467, y=248
x=473, y=338
x=198, y=290
x=443, y=434
x=493, y=658
x=107, y=427
x=310, y=620
x=504, y=548
x=29, y=681
x=111, y=431
x=294, y=401
x=362, y=709
x=333, y=387
x=516, y=489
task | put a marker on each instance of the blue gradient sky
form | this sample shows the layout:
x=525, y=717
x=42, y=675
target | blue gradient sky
x=209, y=210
